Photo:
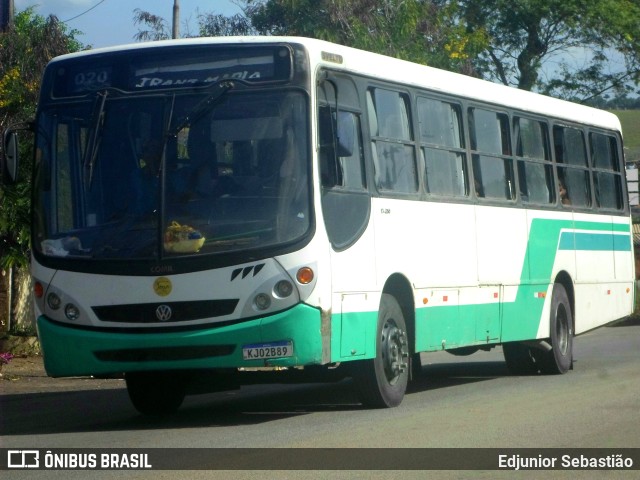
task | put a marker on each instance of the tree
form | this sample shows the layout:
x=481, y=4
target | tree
x=422, y=31
x=564, y=48
x=525, y=36
x=158, y=28
x=25, y=48
x=217, y=25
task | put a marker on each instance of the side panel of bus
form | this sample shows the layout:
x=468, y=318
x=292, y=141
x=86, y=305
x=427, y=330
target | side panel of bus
x=481, y=271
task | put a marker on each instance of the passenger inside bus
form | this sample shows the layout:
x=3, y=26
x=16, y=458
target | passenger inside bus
x=564, y=195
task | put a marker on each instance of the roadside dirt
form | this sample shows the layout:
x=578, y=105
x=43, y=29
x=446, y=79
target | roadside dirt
x=27, y=375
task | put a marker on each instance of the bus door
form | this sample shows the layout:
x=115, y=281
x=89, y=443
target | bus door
x=346, y=210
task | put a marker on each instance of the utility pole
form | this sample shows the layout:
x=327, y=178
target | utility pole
x=6, y=14
x=176, y=19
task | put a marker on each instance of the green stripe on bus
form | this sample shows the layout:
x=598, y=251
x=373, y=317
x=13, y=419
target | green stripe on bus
x=462, y=325
x=594, y=241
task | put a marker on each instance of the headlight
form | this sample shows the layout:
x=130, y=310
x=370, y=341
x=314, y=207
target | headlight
x=262, y=301
x=283, y=289
x=71, y=311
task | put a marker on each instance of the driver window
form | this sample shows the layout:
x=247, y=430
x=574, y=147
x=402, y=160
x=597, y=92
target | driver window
x=341, y=156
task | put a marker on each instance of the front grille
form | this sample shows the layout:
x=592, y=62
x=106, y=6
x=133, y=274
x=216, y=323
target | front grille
x=164, y=354
x=180, y=311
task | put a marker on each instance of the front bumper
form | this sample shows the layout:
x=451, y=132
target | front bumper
x=71, y=351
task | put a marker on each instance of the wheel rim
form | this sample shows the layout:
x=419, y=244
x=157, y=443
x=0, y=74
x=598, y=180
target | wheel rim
x=562, y=330
x=395, y=351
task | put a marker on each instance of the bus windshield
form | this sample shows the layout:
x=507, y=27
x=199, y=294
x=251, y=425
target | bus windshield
x=173, y=173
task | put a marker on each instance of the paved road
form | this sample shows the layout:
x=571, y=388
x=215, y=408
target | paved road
x=458, y=402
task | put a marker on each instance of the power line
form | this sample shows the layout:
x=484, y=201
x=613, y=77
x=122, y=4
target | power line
x=86, y=11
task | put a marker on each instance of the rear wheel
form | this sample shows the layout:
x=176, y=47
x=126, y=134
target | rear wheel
x=524, y=359
x=156, y=393
x=382, y=381
x=521, y=359
x=560, y=358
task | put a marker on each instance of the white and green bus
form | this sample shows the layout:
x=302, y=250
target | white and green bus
x=205, y=207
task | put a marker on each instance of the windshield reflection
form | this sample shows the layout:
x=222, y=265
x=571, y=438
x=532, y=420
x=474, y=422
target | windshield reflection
x=161, y=184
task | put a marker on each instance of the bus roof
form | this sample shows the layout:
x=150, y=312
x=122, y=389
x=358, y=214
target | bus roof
x=401, y=71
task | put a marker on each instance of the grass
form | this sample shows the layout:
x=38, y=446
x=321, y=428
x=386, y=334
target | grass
x=630, y=120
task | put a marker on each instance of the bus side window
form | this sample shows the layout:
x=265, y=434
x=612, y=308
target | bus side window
x=607, y=178
x=391, y=141
x=350, y=155
x=535, y=171
x=573, y=171
x=442, y=145
x=492, y=163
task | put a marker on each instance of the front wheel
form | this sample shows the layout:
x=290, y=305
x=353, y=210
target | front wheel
x=155, y=393
x=382, y=381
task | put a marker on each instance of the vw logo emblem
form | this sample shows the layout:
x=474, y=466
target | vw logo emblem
x=163, y=313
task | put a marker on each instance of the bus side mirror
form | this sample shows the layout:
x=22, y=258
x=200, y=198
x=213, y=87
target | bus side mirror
x=346, y=133
x=10, y=159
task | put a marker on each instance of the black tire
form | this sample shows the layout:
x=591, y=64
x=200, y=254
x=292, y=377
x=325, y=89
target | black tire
x=521, y=359
x=416, y=366
x=382, y=381
x=559, y=359
x=155, y=393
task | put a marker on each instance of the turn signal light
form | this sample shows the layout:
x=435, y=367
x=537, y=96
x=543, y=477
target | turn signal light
x=38, y=290
x=305, y=275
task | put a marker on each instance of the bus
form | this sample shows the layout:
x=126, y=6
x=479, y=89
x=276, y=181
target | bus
x=207, y=212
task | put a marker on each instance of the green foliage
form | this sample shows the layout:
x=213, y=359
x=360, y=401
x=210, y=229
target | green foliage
x=157, y=27
x=630, y=120
x=524, y=35
x=216, y=25
x=25, y=49
x=564, y=48
x=14, y=225
x=23, y=330
x=416, y=30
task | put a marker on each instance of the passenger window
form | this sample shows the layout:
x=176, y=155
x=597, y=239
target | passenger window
x=442, y=145
x=573, y=175
x=607, y=178
x=491, y=154
x=535, y=172
x=604, y=152
x=391, y=141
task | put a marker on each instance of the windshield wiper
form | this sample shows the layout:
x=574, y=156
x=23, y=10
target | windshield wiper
x=95, y=136
x=203, y=107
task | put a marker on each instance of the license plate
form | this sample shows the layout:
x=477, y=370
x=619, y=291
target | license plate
x=260, y=351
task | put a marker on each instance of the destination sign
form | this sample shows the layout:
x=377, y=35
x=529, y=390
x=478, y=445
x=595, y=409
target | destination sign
x=176, y=67
x=189, y=74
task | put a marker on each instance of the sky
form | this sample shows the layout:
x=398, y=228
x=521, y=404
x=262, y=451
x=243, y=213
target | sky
x=110, y=22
